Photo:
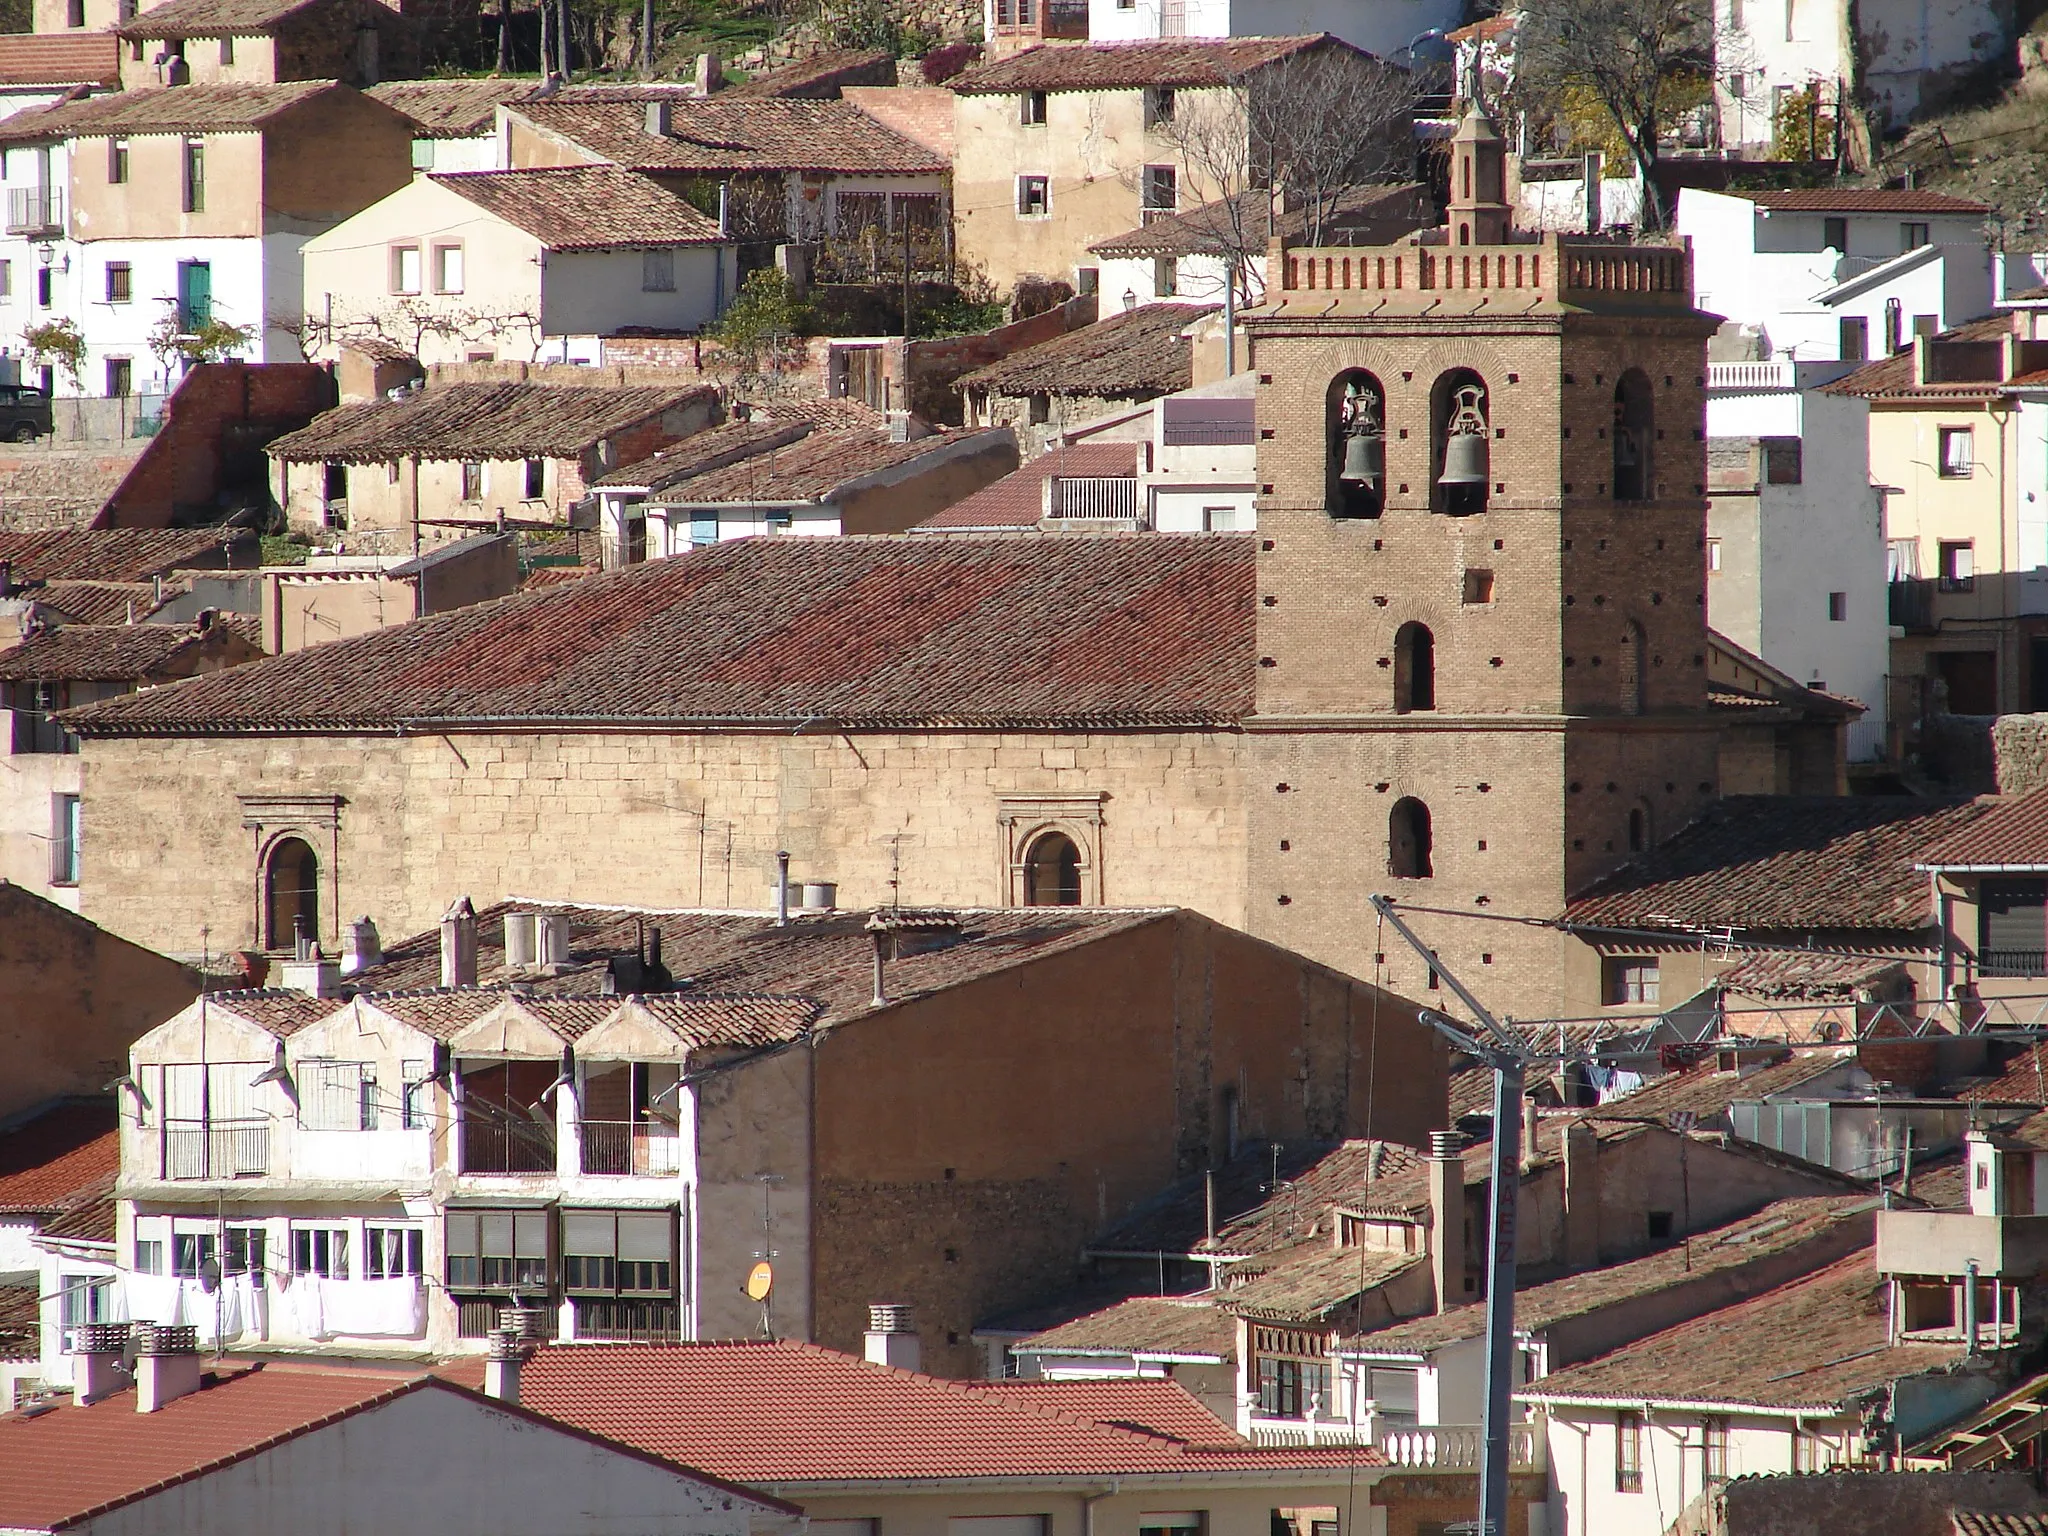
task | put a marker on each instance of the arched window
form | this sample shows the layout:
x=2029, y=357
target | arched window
x=1638, y=828
x=1355, y=416
x=1635, y=410
x=1408, y=840
x=1052, y=872
x=1629, y=669
x=1459, y=429
x=1414, y=668
x=291, y=891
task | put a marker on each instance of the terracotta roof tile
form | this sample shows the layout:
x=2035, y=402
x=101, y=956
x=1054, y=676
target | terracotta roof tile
x=99, y=602
x=128, y=653
x=810, y=468
x=701, y=452
x=2024, y=1080
x=1892, y=377
x=1153, y=629
x=1819, y=1342
x=1360, y=216
x=1805, y=974
x=1153, y=1325
x=1707, y=1092
x=119, y=554
x=723, y=135
x=1760, y=862
x=89, y=1219
x=819, y=77
x=1471, y=1090
x=787, y=1413
x=1858, y=200
x=478, y=421
x=585, y=207
x=273, y=1009
x=2011, y=834
x=451, y=109
x=1018, y=499
x=700, y=1021
x=1127, y=66
x=169, y=109
x=214, y=18
x=65, y=1152
x=1154, y=1407
x=21, y=1322
x=1137, y=352
x=1988, y=1522
x=91, y=58
x=1778, y=1228
x=1307, y=1284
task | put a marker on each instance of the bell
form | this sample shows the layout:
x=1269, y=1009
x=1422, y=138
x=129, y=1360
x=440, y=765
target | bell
x=1464, y=460
x=1365, y=460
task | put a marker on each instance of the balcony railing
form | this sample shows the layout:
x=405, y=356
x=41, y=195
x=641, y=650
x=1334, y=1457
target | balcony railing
x=496, y=1145
x=637, y=1322
x=1451, y=1447
x=2012, y=962
x=35, y=210
x=218, y=1149
x=618, y=1147
x=1912, y=603
x=1096, y=498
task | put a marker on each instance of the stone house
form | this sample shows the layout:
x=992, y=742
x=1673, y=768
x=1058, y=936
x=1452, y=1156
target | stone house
x=735, y=1079
x=448, y=458
x=1131, y=356
x=189, y=205
x=455, y=121
x=263, y=42
x=42, y=805
x=791, y=170
x=532, y=266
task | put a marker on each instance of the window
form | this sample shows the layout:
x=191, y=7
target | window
x=195, y=175
x=1634, y=432
x=1396, y=1391
x=191, y=1252
x=227, y=50
x=1628, y=668
x=195, y=294
x=1629, y=979
x=472, y=481
x=44, y=283
x=1289, y=1389
x=1031, y=109
x=1638, y=829
x=149, y=1256
x=1958, y=456
x=1912, y=236
x=391, y=1253
x=1838, y=607
x=1713, y=557
x=1658, y=1225
x=120, y=373
x=1855, y=331
x=135, y=50
x=1219, y=520
x=1628, y=1453
x=405, y=269
x=1355, y=430
x=619, y=1253
x=657, y=271
x=6, y=279
x=536, y=479
x=1809, y=1451
x=64, y=840
x=117, y=161
x=2012, y=930
x=1958, y=570
x=74, y=13
x=120, y=282
x=1713, y=1449
x=1478, y=586
x=1165, y=277
x=338, y=1095
x=1158, y=105
x=245, y=1251
x=1052, y=872
x=1834, y=234
x=83, y=1299
x=412, y=1095
x=1033, y=197
x=1160, y=189
x=1409, y=841
x=497, y=1250
x=1038, y=408
x=447, y=269
x=1414, y=668
x=321, y=1251
x=291, y=891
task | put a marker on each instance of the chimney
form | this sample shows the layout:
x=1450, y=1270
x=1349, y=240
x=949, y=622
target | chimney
x=166, y=1364
x=1532, y=1133
x=1581, y=1196
x=522, y=940
x=1590, y=169
x=458, y=945
x=820, y=895
x=96, y=1368
x=361, y=948
x=891, y=1340
x=658, y=117
x=710, y=73
x=782, y=888
x=313, y=974
x=879, y=932
x=1447, y=1218
x=510, y=1350
x=554, y=939
x=205, y=620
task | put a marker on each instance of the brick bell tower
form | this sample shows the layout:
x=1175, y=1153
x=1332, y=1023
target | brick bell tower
x=1481, y=588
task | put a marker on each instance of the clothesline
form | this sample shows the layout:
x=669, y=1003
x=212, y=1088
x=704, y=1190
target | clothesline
x=295, y=1306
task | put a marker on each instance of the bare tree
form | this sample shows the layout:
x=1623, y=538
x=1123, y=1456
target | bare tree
x=1642, y=61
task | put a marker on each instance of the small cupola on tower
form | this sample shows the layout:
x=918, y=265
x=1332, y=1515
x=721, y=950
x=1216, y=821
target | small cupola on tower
x=1479, y=206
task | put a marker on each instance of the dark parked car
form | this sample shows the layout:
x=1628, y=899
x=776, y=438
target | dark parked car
x=24, y=414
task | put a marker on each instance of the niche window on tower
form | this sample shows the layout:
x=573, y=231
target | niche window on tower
x=1052, y=872
x=1356, y=429
x=1408, y=840
x=1414, y=668
x=1461, y=455
x=1634, y=410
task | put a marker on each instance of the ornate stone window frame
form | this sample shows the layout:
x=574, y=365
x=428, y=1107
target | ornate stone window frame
x=316, y=821
x=1026, y=818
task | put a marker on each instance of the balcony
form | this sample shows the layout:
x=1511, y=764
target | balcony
x=1912, y=604
x=1947, y=1242
x=35, y=211
x=1095, y=498
x=1444, y=1447
x=2012, y=962
x=621, y=1147
x=216, y=1149
x=500, y=1145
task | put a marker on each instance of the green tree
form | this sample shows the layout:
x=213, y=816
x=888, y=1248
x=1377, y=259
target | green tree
x=764, y=322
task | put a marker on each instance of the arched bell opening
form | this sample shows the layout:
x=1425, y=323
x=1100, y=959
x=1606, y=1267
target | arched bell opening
x=1634, y=433
x=1356, y=432
x=1460, y=433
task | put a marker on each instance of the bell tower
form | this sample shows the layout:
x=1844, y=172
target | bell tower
x=1481, y=586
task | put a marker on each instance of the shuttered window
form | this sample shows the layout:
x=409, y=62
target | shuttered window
x=2012, y=927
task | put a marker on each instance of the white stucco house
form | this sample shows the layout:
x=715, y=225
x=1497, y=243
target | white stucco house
x=527, y=265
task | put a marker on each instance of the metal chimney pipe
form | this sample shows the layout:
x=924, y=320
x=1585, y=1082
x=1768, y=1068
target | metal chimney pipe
x=1970, y=1307
x=782, y=888
x=879, y=932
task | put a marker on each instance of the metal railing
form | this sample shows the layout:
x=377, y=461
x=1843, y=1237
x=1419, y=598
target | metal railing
x=2012, y=962
x=504, y=1146
x=637, y=1322
x=622, y=1147
x=35, y=210
x=1097, y=498
x=1911, y=603
x=216, y=1149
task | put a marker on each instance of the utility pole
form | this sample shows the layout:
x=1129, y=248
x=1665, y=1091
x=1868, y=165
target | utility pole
x=1509, y=1058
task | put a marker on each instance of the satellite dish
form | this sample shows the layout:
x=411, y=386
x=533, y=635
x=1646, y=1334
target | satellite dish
x=760, y=1281
x=209, y=1276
